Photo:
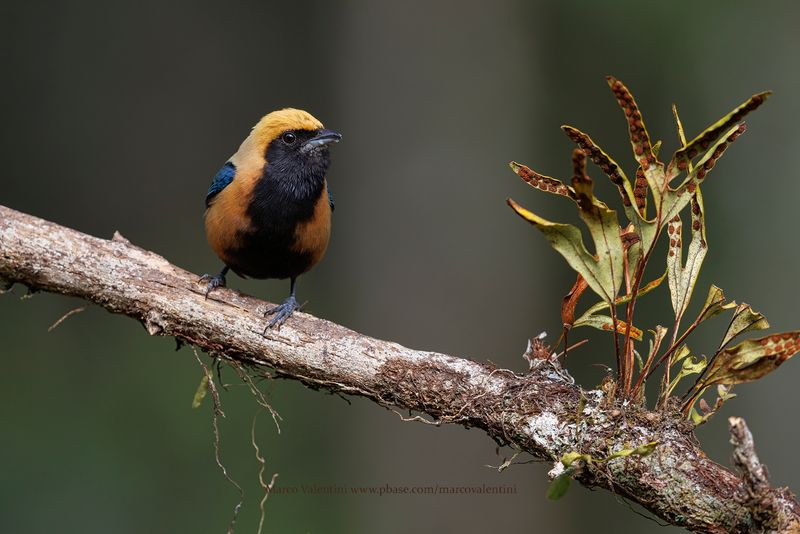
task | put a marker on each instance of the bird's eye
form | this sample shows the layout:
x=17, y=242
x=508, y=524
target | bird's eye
x=289, y=138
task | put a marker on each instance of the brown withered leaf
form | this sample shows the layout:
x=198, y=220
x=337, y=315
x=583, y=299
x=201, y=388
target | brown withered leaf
x=751, y=359
x=570, y=300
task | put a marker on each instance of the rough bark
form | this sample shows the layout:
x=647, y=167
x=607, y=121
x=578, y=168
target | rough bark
x=540, y=412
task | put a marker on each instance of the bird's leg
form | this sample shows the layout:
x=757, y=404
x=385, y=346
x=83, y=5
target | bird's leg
x=215, y=281
x=284, y=311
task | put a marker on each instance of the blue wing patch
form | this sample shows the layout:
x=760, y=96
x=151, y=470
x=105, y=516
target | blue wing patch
x=221, y=181
x=330, y=200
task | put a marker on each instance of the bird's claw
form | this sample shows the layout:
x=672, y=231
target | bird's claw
x=281, y=313
x=213, y=282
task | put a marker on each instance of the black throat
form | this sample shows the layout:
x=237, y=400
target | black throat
x=291, y=184
x=285, y=196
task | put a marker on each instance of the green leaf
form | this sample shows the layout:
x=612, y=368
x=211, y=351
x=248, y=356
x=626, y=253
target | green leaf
x=569, y=458
x=642, y=450
x=715, y=304
x=697, y=419
x=658, y=336
x=679, y=354
x=647, y=288
x=690, y=366
x=634, y=200
x=606, y=323
x=606, y=164
x=744, y=320
x=683, y=156
x=723, y=395
x=603, y=275
x=723, y=392
x=674, y=200
x=679, y=126
x=657, y=181
x=751, y=359
x=602, y=223
x=646, y=449
x=657, y=148
x=559, y=486
x=639, y=361
x=682, y=278
x=640, y=139
x=200, y=393
x=647, y=233
x=644, y=153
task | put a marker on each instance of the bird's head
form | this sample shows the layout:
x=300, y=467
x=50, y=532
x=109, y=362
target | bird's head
x=290, y=141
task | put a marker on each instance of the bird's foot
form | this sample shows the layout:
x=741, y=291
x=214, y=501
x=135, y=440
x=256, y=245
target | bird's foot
x=213, y=282
x=282, y=312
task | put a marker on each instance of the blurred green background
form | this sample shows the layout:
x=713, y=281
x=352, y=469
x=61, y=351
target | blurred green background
x=117, y=115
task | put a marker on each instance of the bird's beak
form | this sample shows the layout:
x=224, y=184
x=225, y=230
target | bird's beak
x=322, y=138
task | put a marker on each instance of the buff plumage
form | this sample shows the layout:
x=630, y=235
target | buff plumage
x=268, y=210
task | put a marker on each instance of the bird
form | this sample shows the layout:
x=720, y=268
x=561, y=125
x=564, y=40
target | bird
x=268, y=209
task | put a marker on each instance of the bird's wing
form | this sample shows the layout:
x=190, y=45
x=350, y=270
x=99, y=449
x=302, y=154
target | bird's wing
x=221, y=181
x=330, y=197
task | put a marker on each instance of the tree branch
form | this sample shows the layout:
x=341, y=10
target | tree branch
x=766, y=504
x=540, y=412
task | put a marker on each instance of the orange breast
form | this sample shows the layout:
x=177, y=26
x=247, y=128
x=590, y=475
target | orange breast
x=226, y=219
x=313, y=235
